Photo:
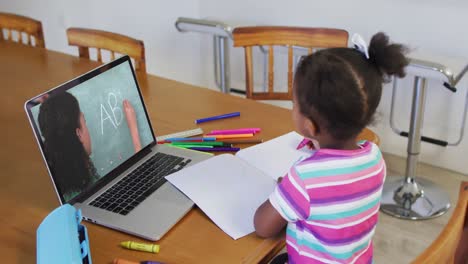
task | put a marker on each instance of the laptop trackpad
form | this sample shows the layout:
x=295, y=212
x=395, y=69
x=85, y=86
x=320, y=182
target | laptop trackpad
x=159, y=212
x=152, y=218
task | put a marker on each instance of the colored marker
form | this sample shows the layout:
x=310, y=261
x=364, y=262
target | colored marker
x=153, y=248
x=235, y=131
x=230, y=133
x=303, y=143
x=207, y=143
x=198, y=139
x=212, y=118
x=233, y=136
x=124, y=261
x=216, y=149
x=243, y=141
x=180, y=147
x=191, y=146
x=168, y=141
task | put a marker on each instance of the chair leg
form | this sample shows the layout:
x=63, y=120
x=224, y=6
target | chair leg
x=407, y=197
x=280, y=259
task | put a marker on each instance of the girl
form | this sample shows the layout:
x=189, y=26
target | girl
x=68, y=144
x=330, y=200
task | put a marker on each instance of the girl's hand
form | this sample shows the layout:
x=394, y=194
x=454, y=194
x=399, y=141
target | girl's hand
x=129, y=112
x=132, y=124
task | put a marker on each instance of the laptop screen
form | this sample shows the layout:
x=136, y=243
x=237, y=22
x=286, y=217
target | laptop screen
x=90, y=125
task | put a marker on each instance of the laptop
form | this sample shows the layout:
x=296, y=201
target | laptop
x=100, y=150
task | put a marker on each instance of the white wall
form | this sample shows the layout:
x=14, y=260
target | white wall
x=168, y=53
x=432, y=29
x=426, y=26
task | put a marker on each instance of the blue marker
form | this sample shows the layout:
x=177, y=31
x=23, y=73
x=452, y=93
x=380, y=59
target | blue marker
x=198, y=121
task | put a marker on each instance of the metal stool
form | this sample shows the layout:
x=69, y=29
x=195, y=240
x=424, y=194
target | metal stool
x=407, y=197
x=222, y=33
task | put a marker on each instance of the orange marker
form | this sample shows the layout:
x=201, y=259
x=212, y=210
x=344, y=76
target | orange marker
x=123, y=261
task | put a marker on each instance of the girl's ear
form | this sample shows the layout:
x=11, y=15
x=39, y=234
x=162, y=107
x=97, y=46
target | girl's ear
x=78, y=133
x=310, y=127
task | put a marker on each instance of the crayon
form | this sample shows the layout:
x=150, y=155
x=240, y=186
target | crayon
x=153, y=248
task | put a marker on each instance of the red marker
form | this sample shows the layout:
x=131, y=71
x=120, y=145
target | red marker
x=303, y=143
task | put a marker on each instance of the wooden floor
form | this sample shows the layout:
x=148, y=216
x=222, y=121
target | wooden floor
x=400, y=241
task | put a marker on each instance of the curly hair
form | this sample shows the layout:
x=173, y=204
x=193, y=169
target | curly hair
x=341, y=88
x=71, y=166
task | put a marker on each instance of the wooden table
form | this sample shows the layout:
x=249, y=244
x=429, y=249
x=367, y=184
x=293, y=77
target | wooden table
x=26, y=192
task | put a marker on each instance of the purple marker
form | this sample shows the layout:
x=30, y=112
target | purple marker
x=232, y=132
x=215, y=149
x=202, y=120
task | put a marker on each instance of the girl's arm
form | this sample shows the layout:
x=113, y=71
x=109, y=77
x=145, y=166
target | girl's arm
x=132, y=124
x=267, y=221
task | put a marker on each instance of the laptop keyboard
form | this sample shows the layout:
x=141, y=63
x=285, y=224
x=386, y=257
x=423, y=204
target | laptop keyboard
x=133, y=189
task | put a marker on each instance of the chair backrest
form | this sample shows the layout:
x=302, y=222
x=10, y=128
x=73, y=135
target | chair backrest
x=114, y=43
x=26, y=28
x=451, y=246
x=310, y=38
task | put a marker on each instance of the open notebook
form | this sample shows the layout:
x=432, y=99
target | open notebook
x=229, y=188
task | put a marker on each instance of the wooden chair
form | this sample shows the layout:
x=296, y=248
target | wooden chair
x=451, y=246
x=290, y=37
x=310, y=38
x=27, y=28
x=114, y=43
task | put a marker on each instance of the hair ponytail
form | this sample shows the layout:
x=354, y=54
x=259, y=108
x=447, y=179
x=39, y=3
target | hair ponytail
x=388, y=58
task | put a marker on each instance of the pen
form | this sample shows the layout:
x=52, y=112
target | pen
x=303, y=143
x=201, y=120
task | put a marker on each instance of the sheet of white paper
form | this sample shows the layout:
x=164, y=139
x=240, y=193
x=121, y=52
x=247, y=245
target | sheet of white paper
x=275, y=156
x=227, y=189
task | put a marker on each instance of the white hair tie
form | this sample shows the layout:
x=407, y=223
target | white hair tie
x=360, y=44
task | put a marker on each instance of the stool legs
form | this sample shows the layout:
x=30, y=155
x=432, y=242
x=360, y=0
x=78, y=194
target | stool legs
x=407, y=198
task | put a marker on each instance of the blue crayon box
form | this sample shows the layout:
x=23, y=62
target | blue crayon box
x=62, y=239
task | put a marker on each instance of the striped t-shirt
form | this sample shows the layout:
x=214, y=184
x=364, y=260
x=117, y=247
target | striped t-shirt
x=331, y=201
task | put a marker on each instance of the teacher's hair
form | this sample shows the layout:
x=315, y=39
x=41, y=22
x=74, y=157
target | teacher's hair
x=59, y=117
